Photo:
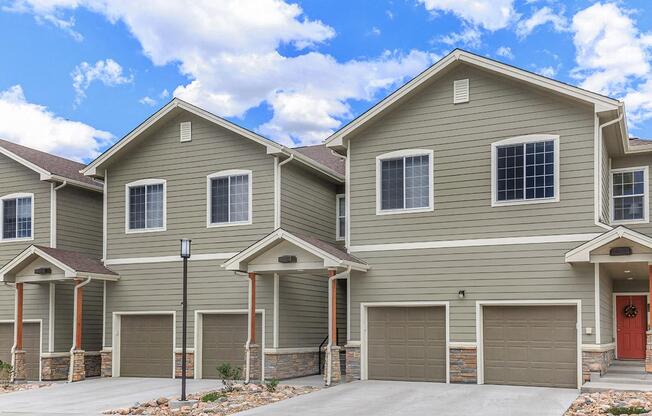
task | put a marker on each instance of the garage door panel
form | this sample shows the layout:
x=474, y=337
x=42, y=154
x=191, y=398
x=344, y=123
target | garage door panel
x=31, y=346
x=530, y=345
x=146, y=345
x=406, y=343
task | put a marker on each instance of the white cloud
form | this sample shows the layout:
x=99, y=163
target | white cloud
x=548, y=71
x=488, y=14
x=35, y=126
x=164, y=94
x=107, y=71
x=229, y=50
x=469, y=36
x=541, y=17
x=390, y=14
x=46, y=14
x=375, y=31
x=505, y=52
x=147, y=100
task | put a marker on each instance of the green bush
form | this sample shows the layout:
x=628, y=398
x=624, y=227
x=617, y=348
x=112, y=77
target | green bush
x=212, y=396
x=229, y=374
x=6, y=370
x=271, y=385
x=626, y=410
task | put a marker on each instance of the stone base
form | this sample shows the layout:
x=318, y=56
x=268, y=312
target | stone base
x=106, y=369
x=20, y=369
x=336, y=370
x=352, y=363
x=78, y=367
x=190, y=364
x=282, y=366
x=93, y=364
x=55, y=367
x=464, y=365
x=596, y=362
x=648, y=352
x=255, y=367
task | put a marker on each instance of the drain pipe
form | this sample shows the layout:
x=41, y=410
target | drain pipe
x=329, y=370
x=277, y=193
x=74, y=328
x=13, y=345
x=600, y=139
x=248, y=343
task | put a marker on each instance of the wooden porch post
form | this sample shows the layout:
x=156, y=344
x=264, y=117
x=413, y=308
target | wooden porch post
x=78, y=315
x=19, y=316
x=252, y=309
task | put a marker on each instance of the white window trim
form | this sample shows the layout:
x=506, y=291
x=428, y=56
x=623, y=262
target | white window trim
x=222, y=174
x=2, y=216
x=338, y=236
x=646, y=195
x=530, y=138
x=402, y=154
x=144, y=182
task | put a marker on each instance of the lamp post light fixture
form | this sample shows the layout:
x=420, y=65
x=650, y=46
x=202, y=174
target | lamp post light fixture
x=185, y=255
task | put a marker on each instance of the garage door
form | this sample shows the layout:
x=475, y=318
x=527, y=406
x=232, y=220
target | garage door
x=530, y=345
x=223, y=340
x=146, y=345
x=406, y=343
x=31, y=345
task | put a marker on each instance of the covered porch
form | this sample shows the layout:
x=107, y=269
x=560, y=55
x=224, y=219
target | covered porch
x=310, y=305
x=622, y=352
x=71, y=319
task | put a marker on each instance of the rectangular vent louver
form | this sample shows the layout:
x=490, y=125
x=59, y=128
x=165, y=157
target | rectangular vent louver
x=186, y=134
x=461, y=91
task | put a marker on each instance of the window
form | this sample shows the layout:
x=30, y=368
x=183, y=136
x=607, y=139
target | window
x=340, y=207
x=17, y=217
x=629, y=194
x=145, y=205
x=229, y=198
x=525, y=170
x=404, y=182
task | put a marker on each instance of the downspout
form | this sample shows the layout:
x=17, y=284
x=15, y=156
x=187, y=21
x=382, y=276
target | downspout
x=74, y=328
x=53, y=214
x=600, y=140
x=277, y=217
x=329, y=371
x=13, y=346
x=248, y=343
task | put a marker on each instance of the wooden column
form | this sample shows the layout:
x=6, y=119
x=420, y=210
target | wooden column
x=19, y=316
x=649, y=326
x=79, y=314
x=333, y=307
x=252, y=309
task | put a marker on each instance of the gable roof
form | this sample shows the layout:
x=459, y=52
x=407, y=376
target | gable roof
x=583, y=252
x=272, y=147
x=49, y=166
x=601, y=102
x=74, y=264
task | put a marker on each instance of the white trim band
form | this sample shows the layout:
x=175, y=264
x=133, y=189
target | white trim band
x=167, y=259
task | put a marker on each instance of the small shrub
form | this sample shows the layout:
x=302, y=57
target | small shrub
x=212, y=396
x=271, y=385
x=6, y=370
x=229, y=374
x=634, y=410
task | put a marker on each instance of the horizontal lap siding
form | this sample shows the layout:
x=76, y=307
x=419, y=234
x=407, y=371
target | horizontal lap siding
x=307, y=203
x=303, y=310
x=606, y=307
x=635, y=161
x=158, y=287
x=63, y=317
x=79, y=221
x=517, y=272
x=461, y=137
x=92, y=319
x=185, y=167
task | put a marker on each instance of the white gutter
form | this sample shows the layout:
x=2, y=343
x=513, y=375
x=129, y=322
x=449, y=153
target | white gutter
x=74, y=328
x=600, y=177
x=277, y=191
x=344, y=275
x=248, y=343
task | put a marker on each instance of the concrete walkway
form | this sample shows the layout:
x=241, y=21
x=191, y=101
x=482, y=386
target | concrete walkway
x=93, y=396
x=380, y=398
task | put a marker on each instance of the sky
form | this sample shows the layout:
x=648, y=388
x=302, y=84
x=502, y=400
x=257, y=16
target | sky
x=77, y=75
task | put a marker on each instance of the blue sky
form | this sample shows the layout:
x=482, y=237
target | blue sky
x=76, y=75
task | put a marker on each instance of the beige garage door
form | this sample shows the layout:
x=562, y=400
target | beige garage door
x=31, y=345
x=530, y=345
x=223, y=340
x=406, y=343
x=146, y=345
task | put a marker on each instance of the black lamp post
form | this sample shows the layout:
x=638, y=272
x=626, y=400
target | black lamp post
x=185, y=255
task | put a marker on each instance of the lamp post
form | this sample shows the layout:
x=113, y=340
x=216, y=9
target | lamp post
x=185, y=255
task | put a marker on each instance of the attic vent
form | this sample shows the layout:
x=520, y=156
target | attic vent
x=461, y=91
x=186, y=135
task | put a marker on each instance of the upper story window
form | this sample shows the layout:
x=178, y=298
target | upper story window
x=17, y=217
x=229, y=198
x=340, y=207
x=404, y=181
x=145, y=205
x=629, y=194
x=525, y=170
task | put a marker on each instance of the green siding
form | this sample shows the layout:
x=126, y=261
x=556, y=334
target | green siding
x=303, y=310
x=63, y=317
x=79, y=221
x=606, y=307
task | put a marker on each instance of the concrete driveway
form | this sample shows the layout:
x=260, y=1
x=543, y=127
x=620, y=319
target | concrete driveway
x=93, y=396
x=378, y=398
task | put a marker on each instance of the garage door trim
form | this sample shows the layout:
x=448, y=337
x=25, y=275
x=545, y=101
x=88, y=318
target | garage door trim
x=40, y=339
x=364, y=306
x=480, y=335
x=199, y=326
x=115, y=371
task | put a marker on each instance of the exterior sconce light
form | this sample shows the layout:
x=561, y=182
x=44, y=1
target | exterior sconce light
x=461, y=294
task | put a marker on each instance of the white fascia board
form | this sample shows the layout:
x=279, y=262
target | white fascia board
x=583, y=252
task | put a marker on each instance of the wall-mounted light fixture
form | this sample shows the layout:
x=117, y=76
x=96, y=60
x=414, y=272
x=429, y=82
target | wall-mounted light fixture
x=461, y=294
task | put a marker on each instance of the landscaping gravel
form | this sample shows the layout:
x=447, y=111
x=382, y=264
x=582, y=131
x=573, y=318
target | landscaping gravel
x=10, y=388
x=594, y=404
x=243, y=398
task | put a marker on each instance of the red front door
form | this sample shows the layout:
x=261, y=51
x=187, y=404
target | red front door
x=631, y=329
